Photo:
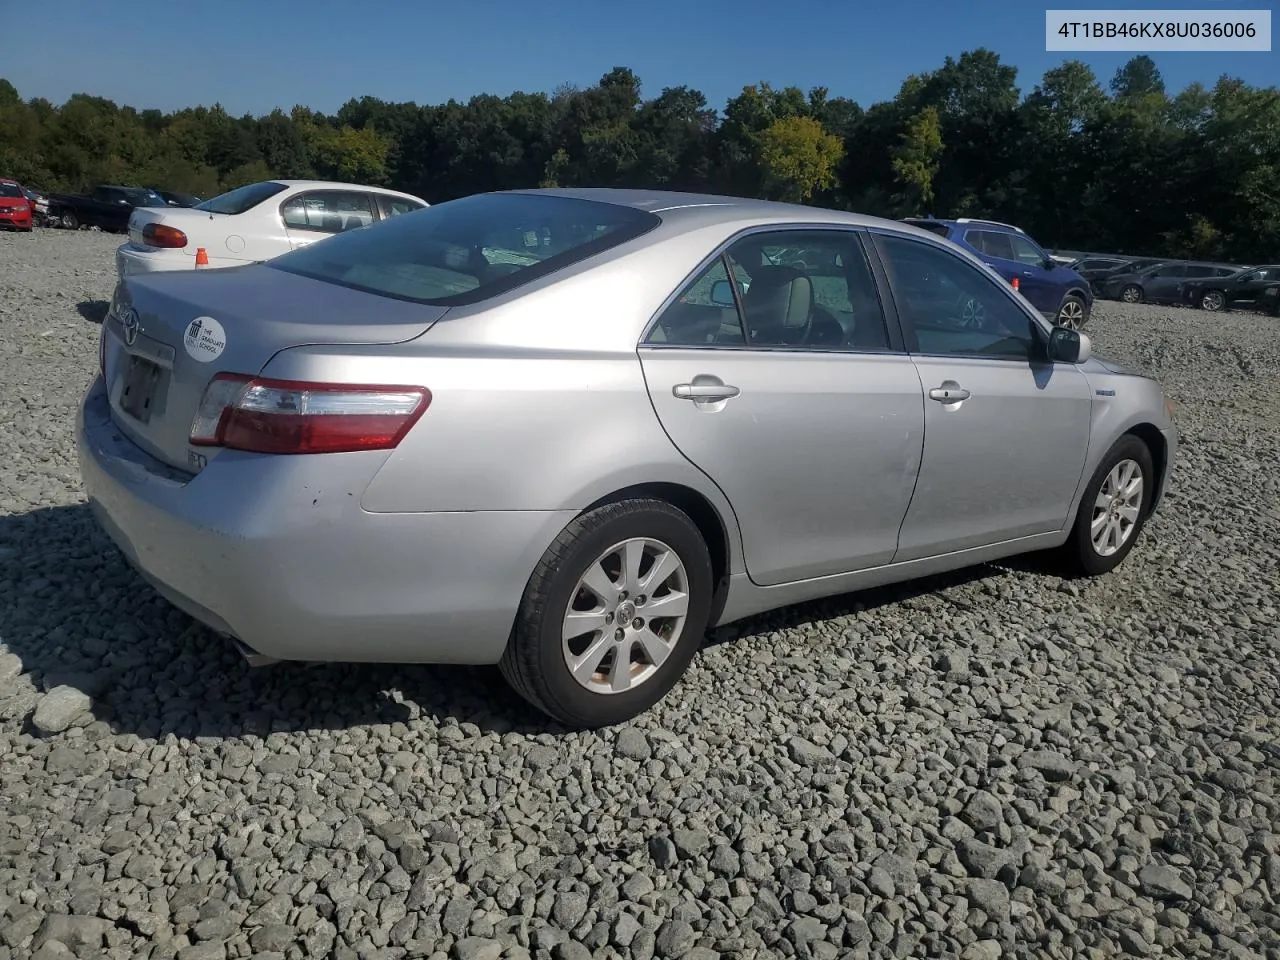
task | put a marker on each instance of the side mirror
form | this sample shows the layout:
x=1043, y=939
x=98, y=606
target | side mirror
x=1069, y=346
x=1050, y=263
x=722, y=293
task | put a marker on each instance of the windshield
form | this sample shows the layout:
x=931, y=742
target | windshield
x=10, y=190
x=467, y=250
x=241, y=198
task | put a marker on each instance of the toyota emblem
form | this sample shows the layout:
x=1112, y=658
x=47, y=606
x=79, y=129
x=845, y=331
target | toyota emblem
x=129, y=325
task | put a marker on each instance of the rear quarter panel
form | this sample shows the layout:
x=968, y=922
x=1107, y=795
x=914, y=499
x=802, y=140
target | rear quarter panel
x=538, y=398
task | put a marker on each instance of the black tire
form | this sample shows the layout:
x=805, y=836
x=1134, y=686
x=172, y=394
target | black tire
x=1213, y=300
x=70, y=220
x=1065, y=309
x=533, y=662
x=1131, y=294
x=1078, y=554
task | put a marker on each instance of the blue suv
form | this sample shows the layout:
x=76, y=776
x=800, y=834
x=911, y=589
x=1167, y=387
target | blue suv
x=1057, y=291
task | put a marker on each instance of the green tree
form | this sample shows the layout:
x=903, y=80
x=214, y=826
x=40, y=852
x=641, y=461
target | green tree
x=798, y=157
x=917, y=158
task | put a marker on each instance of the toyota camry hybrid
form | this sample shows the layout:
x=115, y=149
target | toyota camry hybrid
x=567, y=431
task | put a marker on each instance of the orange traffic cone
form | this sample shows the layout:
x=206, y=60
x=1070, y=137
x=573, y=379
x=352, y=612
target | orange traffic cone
x=202, y=258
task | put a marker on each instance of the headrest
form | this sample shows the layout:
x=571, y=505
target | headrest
x=779, y=297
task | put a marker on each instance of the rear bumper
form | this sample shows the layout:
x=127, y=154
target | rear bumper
x=277, y=553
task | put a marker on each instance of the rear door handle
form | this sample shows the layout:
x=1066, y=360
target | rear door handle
x=949, y=392
x=705, y=391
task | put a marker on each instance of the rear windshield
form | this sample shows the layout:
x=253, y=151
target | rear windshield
x=466, y=250
x=10, y=190
x=241, y=198
x=939, y=228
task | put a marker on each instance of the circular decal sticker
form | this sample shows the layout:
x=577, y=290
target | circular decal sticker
x=205, y=339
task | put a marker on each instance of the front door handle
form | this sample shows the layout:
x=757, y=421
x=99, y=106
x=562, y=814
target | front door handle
x=709, y=390
x=949, y=392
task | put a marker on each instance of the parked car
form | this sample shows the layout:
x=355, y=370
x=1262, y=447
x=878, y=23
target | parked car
x=1057, y=291
x=176, y=199
x=1269, y=300
x=253, y=223
x=39, y=206
x=1165, y=282
x=547, y=429
x=106, y=207
x=15, y=208
x=1240, y=289
x=1093, y=267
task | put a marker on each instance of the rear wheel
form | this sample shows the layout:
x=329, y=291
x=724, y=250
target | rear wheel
x=613, y=614
x=1131, y=294
x=1113, y=509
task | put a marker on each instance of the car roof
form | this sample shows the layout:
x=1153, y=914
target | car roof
x=994, y=225
x=693, y=210
x=338, y=184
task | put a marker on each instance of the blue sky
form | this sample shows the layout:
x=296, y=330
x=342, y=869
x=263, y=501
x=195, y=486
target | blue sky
x=253, y=55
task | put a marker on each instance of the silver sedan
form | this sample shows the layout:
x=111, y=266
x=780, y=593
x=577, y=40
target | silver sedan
x=566, y=431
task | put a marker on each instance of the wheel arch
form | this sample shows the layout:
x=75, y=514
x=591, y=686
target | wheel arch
x=1154, y=440
x=705, y=517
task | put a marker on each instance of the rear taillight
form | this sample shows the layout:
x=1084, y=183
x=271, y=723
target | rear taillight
x=163, y=235
x=289, y=416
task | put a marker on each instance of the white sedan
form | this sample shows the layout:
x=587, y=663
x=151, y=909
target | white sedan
x=253, y=223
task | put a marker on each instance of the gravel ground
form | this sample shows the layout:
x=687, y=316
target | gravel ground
x=992, y=764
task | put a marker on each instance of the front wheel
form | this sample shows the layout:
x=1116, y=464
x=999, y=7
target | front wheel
x=1071, y=313
x=613, y=614
x=1131, y=294
x=1213, y=300
x=70, y=221
x=1113, y=509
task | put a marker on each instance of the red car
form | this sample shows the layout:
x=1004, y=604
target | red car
x=15, y=208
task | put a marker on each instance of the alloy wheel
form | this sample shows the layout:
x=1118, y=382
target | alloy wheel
x=1116, y=508
x=625, y=616
x=1071, y=315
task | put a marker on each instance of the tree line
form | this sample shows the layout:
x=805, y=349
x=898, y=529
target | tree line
x=1128, y=168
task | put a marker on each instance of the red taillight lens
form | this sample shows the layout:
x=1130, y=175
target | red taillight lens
x=286, y=416
x=163, y=235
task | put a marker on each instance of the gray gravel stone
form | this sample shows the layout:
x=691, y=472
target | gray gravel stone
x=633, y=744
x=999, y=740
x=478, y=948
x=1161, y=881
x=59, y=709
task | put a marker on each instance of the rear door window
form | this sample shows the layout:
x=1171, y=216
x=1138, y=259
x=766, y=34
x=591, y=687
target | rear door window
x=328, y=211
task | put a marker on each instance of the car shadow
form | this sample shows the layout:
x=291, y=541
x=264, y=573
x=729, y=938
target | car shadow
x=79, y=614
x=95, y=311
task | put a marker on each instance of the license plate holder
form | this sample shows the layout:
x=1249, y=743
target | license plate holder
x=140, y=379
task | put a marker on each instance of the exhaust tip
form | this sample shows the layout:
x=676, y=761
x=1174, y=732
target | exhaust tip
x=251, y=656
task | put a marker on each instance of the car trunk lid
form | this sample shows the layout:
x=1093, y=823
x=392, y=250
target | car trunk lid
x=169, y=333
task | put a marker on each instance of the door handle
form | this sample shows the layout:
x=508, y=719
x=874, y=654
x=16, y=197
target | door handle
x=713, y=390
x=949, y=392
